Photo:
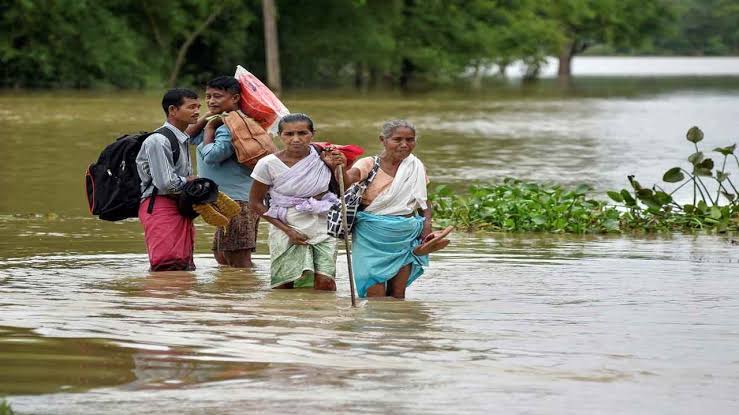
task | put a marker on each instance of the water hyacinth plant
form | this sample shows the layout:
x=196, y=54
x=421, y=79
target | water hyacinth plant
x=5, y=408
x=655, y=208
x=516, y=206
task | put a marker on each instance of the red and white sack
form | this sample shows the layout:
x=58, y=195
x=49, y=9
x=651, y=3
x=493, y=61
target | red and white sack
x=258, y=102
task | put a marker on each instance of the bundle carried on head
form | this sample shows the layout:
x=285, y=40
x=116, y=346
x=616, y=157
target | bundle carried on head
x=259, y=113
x=258, y=102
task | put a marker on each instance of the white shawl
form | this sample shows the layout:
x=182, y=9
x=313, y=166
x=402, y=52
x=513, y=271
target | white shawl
x=406, y=193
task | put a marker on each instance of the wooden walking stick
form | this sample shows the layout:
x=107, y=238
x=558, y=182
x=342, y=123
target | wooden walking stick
x=344, y=223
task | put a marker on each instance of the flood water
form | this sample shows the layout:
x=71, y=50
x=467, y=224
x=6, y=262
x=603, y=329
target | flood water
x=509, y=323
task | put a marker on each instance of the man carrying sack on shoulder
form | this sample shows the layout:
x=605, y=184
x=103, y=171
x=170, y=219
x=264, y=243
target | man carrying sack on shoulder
x=218, y=161
x=164, y=166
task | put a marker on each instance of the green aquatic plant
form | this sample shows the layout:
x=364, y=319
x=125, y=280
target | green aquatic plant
x=656, y=209
x=5, y=408
x=517, y=206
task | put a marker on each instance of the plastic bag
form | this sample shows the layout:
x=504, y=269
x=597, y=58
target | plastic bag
x=258, y=102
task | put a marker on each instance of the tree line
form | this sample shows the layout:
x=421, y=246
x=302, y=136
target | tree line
x=324, y=43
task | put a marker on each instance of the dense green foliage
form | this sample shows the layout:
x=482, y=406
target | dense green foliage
x=68, y=43
x=121, y=43
x=582, y=24
x=699, y=27
x=516, y=206
x=138, y=43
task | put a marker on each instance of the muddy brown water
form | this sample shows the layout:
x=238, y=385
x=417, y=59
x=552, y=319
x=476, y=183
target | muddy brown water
x=526, y=323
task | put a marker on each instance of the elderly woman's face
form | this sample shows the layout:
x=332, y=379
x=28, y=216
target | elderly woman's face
x=401, y=142
x=296, y=135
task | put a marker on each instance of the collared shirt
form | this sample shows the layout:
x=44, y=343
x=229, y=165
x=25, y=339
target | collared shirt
x=155, y=166
x=217, y=161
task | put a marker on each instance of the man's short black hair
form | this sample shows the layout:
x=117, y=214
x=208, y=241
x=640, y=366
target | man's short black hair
x=225, y=83
x=176, y=97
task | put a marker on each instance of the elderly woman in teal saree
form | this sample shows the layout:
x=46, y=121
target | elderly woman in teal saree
x=391, y=242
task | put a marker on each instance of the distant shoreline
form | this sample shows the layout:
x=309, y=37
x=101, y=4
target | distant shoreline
x=636, y=66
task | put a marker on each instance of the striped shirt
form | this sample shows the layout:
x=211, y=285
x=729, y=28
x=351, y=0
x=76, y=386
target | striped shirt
x=155, y=166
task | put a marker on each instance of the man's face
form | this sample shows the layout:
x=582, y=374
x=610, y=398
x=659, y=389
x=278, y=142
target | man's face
x=219, y=100
x=188, y=112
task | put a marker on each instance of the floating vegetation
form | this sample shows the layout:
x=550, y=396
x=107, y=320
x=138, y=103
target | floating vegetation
x=517, y=206
x=5, y=408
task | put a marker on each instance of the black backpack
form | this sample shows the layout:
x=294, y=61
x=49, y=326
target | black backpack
x=113, y=184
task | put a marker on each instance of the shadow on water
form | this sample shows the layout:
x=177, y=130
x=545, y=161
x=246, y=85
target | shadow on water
x=34, y=364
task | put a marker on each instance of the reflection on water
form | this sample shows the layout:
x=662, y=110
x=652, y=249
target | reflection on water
x=499, y=323
x=530, y=323
x=34, y=364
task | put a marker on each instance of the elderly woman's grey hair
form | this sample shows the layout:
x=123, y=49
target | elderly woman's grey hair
x=295, y=117
x=389, y=127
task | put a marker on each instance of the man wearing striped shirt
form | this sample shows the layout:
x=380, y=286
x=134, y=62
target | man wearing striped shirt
x=169, y=235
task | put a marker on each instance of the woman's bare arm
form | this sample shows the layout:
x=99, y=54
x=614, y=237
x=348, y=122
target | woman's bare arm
x=352, y=176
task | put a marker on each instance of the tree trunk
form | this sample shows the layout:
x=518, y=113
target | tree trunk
x=476, y=81
x=406, y=66
x=373, y=77
x=182, y=53
x=502, y=67
x=361, y=76
x=564, y=72
x=271, y=46
x=406, y=73
x=357, y=75
x=533, y=69
x=154, y=27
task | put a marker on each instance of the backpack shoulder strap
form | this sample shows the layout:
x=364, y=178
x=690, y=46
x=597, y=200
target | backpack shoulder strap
x=175, y=145
x=173, y=142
